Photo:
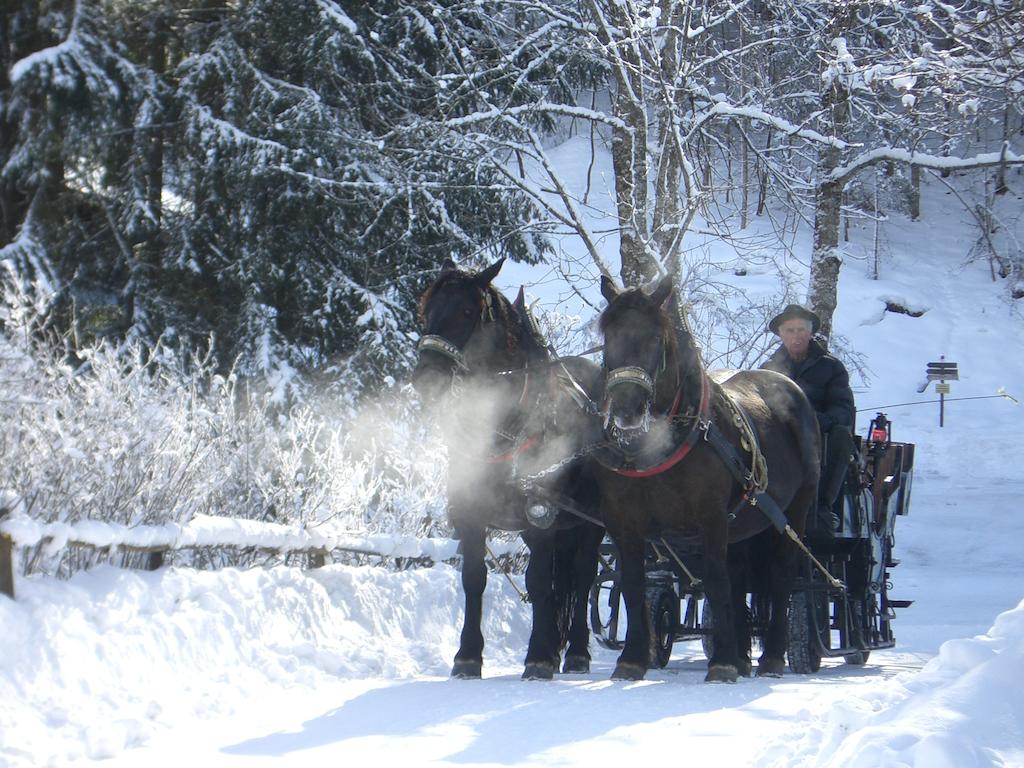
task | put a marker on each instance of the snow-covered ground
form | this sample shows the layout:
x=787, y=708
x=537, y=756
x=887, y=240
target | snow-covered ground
x=349, y=665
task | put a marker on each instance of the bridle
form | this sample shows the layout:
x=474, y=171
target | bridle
x=638, y=376
x=629, y=374
x=451, y=351
x=445, y=348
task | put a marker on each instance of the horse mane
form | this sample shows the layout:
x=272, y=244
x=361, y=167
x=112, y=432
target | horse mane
x=502, y=307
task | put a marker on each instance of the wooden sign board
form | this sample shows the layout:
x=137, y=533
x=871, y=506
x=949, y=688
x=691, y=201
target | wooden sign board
x=943, y=370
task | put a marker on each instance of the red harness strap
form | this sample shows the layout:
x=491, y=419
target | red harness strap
x=688, y=443
x=527, y=445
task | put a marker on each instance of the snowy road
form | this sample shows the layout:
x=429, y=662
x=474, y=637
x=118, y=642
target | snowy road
x=348, y=666
x=502, y=721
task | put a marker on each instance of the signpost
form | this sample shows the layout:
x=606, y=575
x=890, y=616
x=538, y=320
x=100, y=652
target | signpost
x=942, y=371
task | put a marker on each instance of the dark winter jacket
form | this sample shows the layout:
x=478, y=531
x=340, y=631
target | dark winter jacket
x=823, y=379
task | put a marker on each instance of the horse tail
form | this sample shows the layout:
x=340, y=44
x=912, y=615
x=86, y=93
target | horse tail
x=567, y=543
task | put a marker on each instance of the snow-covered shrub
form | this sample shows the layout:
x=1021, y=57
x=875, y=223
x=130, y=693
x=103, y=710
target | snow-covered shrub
x=131, y=435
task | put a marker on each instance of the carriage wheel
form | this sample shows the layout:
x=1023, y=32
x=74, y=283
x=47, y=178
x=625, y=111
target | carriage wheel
x=707, y=625
x=804, y=655
x=663, y=606
x=605, y=599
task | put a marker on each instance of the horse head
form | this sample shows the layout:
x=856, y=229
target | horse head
x=465, y=322
x=638, y=345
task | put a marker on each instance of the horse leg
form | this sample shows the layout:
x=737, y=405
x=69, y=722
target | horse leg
x=773, y=658
x=587, y=539
x=723, y=665
x=469, y=659
x=635, y=657
x=542, y=652
x=739, y=570
x=781, y=571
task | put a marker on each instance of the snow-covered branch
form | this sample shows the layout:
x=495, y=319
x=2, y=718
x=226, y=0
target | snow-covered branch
x=922, y=159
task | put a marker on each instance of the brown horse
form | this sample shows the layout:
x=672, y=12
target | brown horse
x=687, y=454
x=514, y=424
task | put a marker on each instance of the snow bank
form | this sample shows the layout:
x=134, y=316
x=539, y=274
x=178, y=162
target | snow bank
x=95, y=665
x=964, y=708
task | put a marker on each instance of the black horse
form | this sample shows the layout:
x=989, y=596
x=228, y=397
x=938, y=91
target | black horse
x=514, y=421
x=687, y=454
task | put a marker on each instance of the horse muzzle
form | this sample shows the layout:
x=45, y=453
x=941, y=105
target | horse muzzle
x=432, y=383
x=628, y=429
x=439, y=370
x=628, y=411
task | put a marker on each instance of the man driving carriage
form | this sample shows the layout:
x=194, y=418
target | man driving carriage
x=825, y=381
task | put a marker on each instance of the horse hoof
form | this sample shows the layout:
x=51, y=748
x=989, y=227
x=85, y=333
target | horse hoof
x=539, y=670
x=721, y=673
x=745, y=668
x=770, y=667
x=626, y=670
x=576, y=665
x=467, y=670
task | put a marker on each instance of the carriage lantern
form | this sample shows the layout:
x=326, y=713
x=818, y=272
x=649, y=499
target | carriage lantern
x=880, y=430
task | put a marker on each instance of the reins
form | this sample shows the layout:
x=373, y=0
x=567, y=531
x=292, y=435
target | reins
x=556, y=359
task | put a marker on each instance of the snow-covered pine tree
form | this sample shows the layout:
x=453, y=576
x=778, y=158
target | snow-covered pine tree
x=70, y=97
x=265, y=175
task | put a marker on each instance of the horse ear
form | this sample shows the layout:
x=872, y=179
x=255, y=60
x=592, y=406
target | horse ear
x=520, y=302
x=662, y=291
x=448, y=266
x=608, y=289
x=483, y=279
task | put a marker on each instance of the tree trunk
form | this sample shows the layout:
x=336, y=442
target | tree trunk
x=745, y=182
x=669, y=219
x=915, y=192
x=762, y=177
x=629, y=153
x=630, y=185
x=148, y=240
x=1001, y=187
x=825, y=259
x=825, y=256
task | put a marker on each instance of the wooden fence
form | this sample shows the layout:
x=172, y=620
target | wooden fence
x=273, y=538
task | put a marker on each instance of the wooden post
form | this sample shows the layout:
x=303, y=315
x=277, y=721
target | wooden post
x=6, y=562
x=317, y=558
x=154, y=560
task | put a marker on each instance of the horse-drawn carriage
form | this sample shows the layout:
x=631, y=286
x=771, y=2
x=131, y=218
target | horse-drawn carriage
x=648, y=445
x=839, y=606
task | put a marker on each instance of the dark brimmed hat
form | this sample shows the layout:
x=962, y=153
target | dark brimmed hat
x=792, y=312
